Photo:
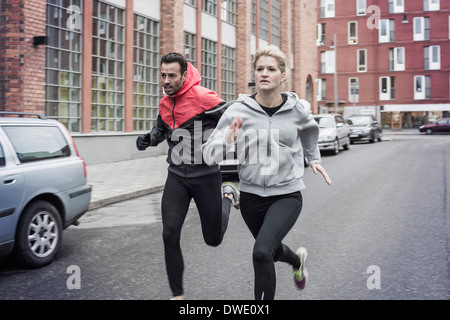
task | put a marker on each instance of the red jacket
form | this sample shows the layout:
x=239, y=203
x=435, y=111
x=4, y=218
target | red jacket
x=190, y=101
x=182, y=118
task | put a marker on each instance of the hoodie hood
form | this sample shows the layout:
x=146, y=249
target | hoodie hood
x=249, y=101
x=193, y=78
x=189, y=102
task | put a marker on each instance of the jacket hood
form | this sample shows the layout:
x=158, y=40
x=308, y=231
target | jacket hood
x=246, y=99
x=193, y=79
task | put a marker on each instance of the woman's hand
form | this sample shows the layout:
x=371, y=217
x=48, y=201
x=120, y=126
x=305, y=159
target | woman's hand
x=317, y=167
x=233, y=130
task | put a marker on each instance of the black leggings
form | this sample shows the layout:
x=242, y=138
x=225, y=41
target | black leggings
x=269, y=220
x=214, y=211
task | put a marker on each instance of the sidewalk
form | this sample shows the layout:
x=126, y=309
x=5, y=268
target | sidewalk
x=118, y=181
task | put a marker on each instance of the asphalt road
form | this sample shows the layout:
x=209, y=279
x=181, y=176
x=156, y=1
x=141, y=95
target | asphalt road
x=381, y=231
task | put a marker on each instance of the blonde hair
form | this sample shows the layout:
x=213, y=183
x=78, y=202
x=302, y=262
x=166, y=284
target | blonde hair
x=272, y=51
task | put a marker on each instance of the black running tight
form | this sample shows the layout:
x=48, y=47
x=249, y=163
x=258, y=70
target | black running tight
x=269, y=220
x=214, y=211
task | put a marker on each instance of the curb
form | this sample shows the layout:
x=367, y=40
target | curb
x=95, y=204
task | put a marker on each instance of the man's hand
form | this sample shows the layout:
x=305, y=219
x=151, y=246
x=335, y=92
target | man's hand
x=233, y=130
x=143, y=141
x=317, y=167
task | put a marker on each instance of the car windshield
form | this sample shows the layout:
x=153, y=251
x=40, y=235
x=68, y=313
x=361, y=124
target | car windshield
x=324, y=122
x=359, y=121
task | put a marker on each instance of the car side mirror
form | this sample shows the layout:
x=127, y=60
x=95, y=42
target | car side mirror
x=375, y=122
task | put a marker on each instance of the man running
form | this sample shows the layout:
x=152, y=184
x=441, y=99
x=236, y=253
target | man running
x=186, y=114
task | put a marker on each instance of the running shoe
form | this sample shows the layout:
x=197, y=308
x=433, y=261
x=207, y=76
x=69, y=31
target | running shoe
x=301, y=274
x=230, y=188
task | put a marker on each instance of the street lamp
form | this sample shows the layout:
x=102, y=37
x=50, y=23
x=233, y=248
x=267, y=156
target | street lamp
x=334, y=46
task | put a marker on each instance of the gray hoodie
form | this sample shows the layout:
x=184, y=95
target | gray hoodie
x=268, y=166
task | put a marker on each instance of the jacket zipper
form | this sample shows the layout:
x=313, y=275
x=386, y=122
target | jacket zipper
x=269, y=151
x=173, y=113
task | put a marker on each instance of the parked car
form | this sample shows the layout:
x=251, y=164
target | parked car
x=364, y=128
x=43, y=187
x=333, y=132
x=442, y=125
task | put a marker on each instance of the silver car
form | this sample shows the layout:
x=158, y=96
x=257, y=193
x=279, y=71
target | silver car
x=43, y=187
x=333, y=132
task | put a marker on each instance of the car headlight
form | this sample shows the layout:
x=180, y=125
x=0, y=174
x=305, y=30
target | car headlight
x=324, y=137
x=367, y=130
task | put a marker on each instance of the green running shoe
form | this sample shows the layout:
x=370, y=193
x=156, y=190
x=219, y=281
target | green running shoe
x=301, y=274
x=231, y=188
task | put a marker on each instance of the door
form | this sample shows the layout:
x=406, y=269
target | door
x=11, y=192
x=341, y=129
x=441, y=125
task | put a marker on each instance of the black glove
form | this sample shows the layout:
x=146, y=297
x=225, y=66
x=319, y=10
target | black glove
x=143, y=141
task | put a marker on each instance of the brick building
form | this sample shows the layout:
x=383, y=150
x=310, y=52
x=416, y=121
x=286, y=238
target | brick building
x=93, y=65
x=391, y=59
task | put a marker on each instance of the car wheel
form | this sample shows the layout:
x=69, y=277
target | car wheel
x=429, y=131
x=39, y=235
x=347, y=145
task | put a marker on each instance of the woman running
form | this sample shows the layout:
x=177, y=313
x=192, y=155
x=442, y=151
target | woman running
x=272, y=131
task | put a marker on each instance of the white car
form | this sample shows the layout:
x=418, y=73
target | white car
x=334, y=132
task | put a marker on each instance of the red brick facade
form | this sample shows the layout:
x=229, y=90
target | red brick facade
x=22, y=65
x=171, y=27
x=378, y=59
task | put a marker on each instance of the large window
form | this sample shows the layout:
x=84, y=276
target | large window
x=264, y=19
x=361, y=6
x=253, y=17
x=228, y=11
x=228, y=73
x=421, y=87
x=209, y=64
x=387, y=88
x=397, y=59
x=276, y=22
x=327, y=61
x=386, y=32
x=321, y=89
x=362, y=60
x=396, y=6
x=210, y=6
x=432, y=58
x=327, y=9
x=321, y=34
x=431, y=5
x=421, y=28
x=146, y=73
x=190, y=48
x=63, y=64
x=353, y=32
x=353, y=90
x=107, y=68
